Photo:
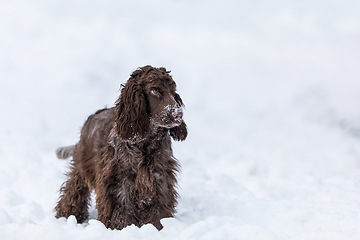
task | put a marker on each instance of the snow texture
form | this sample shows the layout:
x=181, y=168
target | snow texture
x=272, y=94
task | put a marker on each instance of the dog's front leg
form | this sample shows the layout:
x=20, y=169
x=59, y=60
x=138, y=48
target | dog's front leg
x=110, y=212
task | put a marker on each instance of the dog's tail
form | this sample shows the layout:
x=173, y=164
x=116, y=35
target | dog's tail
x=65, y=152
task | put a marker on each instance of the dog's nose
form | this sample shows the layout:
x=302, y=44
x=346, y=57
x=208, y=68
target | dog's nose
x=177, y=114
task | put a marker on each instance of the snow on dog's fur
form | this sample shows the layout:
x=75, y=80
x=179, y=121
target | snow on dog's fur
x=125, y=155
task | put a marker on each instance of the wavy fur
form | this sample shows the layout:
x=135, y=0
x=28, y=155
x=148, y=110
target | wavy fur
x=125, y=155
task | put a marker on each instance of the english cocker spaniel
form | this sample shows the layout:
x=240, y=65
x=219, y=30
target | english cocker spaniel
x=125, y=155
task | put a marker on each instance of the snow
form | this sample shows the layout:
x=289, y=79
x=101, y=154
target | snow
x=272, y=104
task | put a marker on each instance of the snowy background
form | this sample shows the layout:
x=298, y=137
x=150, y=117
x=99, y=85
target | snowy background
x=272, y=94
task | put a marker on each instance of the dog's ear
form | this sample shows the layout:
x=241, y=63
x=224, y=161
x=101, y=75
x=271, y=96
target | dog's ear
x=132, y=117
x=178, y=100
x=180, y=132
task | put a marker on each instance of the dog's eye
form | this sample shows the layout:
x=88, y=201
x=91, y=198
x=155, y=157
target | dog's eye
x=155, y=92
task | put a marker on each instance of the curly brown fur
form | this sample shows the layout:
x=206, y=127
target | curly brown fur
x=125, y=155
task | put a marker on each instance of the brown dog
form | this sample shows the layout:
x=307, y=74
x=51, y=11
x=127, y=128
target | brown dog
x=125, y=155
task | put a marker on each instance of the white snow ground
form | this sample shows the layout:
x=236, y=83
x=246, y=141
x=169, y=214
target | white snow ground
x=272, y=94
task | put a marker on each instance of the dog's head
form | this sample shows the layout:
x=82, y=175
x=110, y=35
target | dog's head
x=149, y=100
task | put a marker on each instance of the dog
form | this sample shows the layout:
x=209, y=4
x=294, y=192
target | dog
x=124, y=154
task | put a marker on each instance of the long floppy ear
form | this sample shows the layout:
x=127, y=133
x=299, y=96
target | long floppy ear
x=180, y=132
x=179, y=100
x=132, y=117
